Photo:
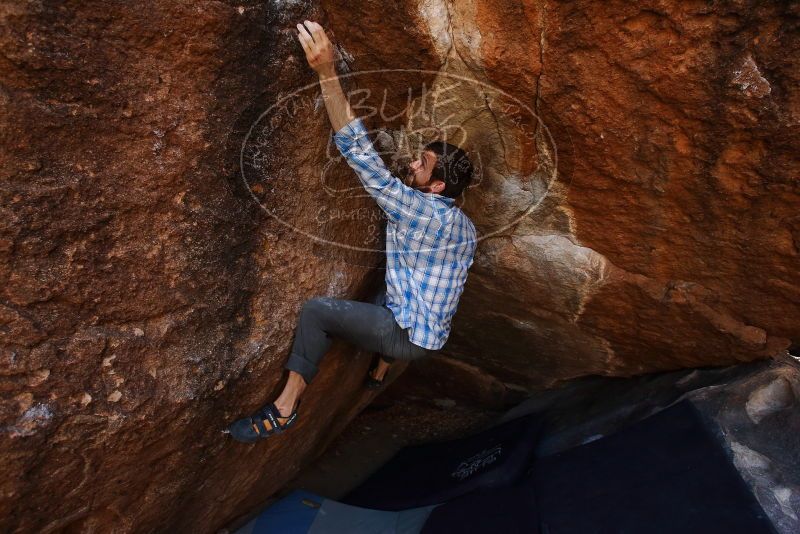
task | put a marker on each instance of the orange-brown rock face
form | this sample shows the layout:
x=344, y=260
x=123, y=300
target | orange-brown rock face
x=169, y=202
x=148, y=300
x=669, y=236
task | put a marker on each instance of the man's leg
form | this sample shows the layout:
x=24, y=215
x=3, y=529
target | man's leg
x=384, y=362
x=368, y=326
x=287, y=401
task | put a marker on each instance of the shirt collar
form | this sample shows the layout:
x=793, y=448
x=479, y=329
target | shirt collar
x=447, y=200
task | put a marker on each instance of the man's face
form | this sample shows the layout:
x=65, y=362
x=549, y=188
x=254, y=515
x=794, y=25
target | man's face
x=419, y=174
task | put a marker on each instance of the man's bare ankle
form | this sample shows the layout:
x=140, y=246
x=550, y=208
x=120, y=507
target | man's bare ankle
x=379, y=374
x=285, y=408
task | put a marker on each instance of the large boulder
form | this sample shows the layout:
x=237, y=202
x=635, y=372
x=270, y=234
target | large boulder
x=657, y=182
x=170, y=199
x=148, y=298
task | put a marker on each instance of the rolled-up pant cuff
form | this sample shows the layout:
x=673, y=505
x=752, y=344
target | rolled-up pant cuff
x=301, y=366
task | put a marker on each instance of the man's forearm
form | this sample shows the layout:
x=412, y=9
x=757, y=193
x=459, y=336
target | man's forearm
x=339, y=110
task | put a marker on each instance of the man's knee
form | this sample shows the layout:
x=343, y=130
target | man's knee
x=317, y=305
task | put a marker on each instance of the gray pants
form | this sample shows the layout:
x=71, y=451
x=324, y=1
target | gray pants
x=370, y=326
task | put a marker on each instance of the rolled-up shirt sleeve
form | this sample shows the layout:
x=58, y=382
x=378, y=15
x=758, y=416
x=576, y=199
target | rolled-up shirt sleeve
x=395, y=198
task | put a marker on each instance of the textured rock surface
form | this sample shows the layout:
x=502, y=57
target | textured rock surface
x=670, y=236
x=646, y=220
x=147, y=301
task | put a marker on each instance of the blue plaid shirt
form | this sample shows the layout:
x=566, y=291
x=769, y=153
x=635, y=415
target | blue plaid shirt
x=430, y=243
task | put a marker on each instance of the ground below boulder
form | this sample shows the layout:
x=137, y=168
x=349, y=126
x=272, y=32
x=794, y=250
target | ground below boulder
x=752, y=409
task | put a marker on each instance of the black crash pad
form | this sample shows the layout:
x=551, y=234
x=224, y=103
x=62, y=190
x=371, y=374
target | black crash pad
x=438, y=472
x=664, y=474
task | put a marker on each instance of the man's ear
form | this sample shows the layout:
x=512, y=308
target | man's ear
x=437, y=186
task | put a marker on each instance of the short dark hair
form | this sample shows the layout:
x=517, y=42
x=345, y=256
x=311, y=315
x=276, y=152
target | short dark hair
x=452, y=167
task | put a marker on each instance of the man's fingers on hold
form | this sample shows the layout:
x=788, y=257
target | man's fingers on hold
x=306, y=41
x=307, y=26
x=317, y=31
x=307, y=36
x=303, y=43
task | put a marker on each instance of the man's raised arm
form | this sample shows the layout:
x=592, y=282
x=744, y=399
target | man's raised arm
x=396, y=199
x=320, y=56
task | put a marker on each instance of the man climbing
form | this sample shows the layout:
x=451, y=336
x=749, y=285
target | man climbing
x=430, y=245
